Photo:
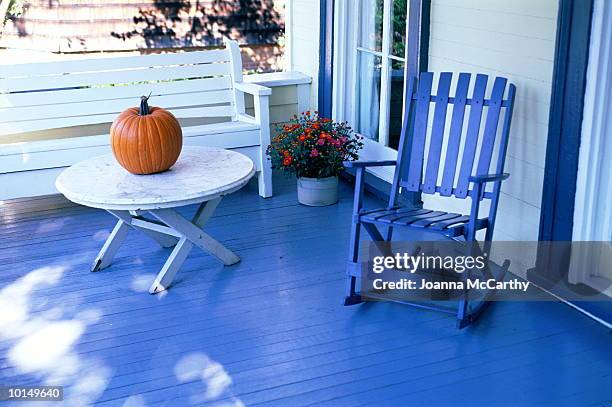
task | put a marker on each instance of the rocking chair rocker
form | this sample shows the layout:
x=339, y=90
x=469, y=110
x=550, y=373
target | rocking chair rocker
x=414, y=174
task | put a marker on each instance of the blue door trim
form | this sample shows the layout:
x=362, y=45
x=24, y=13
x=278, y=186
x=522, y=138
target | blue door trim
x=417, y=60
x=565, y=119
x=424, y=35
x=419, y=16
x=326, y=57
x=562, y=149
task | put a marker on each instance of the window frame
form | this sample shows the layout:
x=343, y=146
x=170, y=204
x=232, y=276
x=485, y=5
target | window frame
x=344, y=74
x=386, y=58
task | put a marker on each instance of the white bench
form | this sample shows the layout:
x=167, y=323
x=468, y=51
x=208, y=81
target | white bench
x=204, y=90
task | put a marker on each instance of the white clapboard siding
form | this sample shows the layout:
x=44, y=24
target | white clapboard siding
x=514, y=39
x=303, y=30
x=113, y=64
x=89, y=79
x=134, y=91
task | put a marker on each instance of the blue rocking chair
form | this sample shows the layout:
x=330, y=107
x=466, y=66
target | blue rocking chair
x=414, y=173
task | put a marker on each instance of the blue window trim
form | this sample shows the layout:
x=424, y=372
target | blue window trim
x=565, y=119
x=419, y=17
x=326, y=57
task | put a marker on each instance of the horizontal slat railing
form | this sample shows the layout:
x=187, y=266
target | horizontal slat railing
x=113, y=77
x=486, y=102
x=64, y=152
x=113, y=64
x=116, y=106
x=438, y=189
x=204, y=111
x=52, y=97
x=54, y=123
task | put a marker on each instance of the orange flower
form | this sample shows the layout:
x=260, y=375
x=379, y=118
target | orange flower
x=287, y=161
x=302, y=137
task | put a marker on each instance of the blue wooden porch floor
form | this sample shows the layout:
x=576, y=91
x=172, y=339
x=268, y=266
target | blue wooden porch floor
x=270, y=330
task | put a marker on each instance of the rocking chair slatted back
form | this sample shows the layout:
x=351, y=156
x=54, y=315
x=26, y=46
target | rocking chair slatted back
x=424, y=177
x=415, y=168
x=454, y=137
x=471, y=138
x=437, y=133
x=490, y=130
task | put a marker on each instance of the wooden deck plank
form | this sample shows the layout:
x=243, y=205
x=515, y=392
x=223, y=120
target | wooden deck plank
x=233, y=218
x=318, y=378
x=377, y=377
x=273, y=325
x=321, y=373
x=488, y=389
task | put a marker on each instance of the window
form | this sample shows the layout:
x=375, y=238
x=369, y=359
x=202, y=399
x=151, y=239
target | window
x=380, y=69
x=370, y=59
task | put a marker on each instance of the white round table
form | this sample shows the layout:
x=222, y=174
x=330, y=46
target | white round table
x=201, y=175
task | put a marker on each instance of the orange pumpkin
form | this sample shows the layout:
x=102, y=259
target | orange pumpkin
x=146, y=140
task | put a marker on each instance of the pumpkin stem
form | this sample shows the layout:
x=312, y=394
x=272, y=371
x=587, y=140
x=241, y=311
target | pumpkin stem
x=144, y=105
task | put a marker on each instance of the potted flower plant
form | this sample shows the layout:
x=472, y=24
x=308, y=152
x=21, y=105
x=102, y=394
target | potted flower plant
x=313, y=148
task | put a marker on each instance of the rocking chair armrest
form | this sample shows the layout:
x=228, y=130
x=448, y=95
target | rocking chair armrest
x=363, y=164
x=481, y=179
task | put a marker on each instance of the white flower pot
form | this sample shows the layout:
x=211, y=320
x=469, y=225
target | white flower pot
x=317, y=191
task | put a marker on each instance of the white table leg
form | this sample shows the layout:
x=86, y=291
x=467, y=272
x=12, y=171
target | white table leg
x=192, y=234
x=205, y=212
x=118, y=234
x=162, y=239
x=111, y=246
x=173, y=264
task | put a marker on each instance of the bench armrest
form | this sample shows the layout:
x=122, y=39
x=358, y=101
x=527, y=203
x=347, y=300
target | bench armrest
x=361, y=164
x=481, y=179
x=253, y=89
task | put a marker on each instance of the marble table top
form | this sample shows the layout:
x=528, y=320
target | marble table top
x=200, y=174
